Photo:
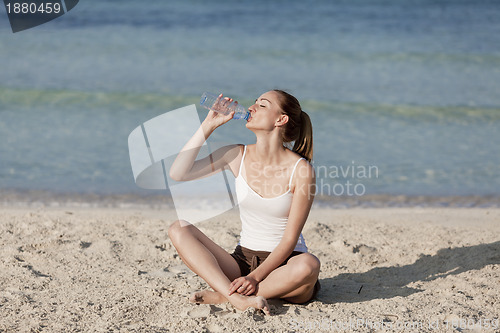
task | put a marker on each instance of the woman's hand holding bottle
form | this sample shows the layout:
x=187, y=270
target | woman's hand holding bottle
x=215, y=119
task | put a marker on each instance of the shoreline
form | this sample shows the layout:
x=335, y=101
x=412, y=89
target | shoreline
x=39, y=198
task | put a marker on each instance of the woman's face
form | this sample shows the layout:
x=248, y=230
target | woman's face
x=265, y=112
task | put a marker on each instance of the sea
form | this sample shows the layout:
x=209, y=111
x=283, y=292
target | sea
x=404, y=96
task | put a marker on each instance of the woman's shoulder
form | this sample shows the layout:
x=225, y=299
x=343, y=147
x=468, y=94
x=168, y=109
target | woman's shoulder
x=231, y=155
x=296, y=158
x=302, y=167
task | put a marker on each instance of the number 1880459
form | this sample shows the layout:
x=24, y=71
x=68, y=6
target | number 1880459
x=33, y=8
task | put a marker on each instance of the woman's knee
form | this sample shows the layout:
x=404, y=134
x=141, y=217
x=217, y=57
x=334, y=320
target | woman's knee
x=307, y=267
x=177, y=229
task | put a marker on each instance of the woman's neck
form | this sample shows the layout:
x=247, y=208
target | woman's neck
x=269, y=149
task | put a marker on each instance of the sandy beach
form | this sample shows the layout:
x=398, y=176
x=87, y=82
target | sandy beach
x=388, y=269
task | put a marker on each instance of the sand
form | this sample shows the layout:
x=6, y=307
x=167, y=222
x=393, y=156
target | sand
x=387, y=270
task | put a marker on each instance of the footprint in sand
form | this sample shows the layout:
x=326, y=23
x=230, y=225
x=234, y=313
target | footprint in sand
x=364, y=249
x=199, y=312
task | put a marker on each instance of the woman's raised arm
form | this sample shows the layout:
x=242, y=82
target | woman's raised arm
x=186, y=167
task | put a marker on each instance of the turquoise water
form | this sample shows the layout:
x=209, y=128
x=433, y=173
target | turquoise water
x=408, y=89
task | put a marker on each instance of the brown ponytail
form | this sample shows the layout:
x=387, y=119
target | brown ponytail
x=298, y=128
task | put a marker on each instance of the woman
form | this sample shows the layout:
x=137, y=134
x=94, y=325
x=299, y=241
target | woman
x=275, y=188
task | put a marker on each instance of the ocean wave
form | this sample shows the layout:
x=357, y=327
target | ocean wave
x=29, y=98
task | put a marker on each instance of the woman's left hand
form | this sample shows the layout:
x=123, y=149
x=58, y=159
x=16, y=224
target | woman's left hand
x=244, y=285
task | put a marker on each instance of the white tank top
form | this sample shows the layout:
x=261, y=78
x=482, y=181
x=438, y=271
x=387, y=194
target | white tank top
x=263, y=220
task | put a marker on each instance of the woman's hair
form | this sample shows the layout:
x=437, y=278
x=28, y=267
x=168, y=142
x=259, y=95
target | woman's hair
x=299, y=127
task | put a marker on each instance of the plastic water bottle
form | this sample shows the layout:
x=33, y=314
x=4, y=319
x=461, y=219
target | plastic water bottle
x=208, y=101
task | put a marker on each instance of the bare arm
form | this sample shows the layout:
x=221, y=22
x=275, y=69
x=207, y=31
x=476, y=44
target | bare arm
x=186, y=167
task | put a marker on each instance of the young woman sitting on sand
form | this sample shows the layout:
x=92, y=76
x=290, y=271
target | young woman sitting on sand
x=275, y=189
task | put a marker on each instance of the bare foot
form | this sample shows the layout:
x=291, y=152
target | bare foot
x=261, y=304
x=244, y=302
x=207, y=297
x=240, y=302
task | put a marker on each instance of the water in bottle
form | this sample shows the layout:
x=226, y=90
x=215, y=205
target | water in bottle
x=209, y=100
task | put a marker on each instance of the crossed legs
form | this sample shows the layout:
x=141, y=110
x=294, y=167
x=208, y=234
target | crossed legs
x=293, y=282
